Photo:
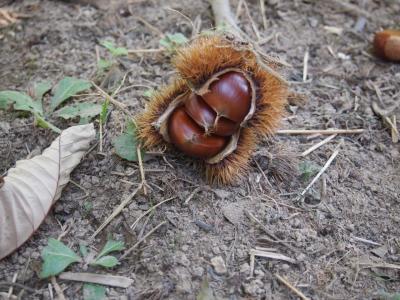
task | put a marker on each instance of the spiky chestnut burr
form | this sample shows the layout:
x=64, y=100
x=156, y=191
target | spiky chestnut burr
x=223, y=102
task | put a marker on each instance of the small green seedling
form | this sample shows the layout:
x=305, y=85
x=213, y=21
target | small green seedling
x=32, y=102
x=114, y=50
x=126, y=144
x=57, y=257
x=149, y=93
x=308, y=169
x=173, y=41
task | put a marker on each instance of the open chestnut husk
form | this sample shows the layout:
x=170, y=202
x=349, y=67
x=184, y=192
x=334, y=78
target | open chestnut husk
x=222, y=103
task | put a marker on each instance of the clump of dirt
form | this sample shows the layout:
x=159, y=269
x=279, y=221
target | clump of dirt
x=342, y=239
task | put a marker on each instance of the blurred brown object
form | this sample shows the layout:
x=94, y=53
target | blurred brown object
x=5, y=2
x=7, y=17
x=104, y=4
x=387, y=44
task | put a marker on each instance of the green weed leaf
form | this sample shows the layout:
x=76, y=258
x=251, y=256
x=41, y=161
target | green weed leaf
x=149, y=93
x=41, y=122
x=104, y=111
x=107, y=261
x=115, y=51
x=111, y=246
x=83, y=250
x=20, y=101
x=94, y=291
x=125, y=145
x=41, y=88
x=104, y=64
x=57, y=257
x=173, y=41
x=82, y=110
x=68, y=87
x=308, y=169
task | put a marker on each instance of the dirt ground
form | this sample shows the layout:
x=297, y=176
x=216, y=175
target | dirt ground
x=337, y=240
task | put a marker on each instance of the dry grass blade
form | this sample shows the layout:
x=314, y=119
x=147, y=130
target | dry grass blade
x=305, y=65
x=389, y=122
x=127, y=252
x=116, y=212
x=316, y=146
x=382, y=265
x=110, y=280
x=273, y=255
x=320, y=131
x=327, y=164
x=291, y=287
x=269, y=233
x=133, y=226
x=118, y=104
x=142, y=176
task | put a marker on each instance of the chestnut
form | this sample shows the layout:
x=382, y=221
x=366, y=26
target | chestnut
x=230, y=96
x=225, y=99
x=387, y=44
x=206, y=117
x=190, y=138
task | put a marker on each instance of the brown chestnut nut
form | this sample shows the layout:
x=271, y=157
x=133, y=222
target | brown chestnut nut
x=230, y=96
x=200, y=112
x=206, y=117
x=387, y=44
x=190, y=138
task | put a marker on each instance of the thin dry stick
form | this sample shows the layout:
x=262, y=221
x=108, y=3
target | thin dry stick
x=195, y=191
x=11, y=289
x=116, y=212
x=327, y=164
x=110, y=280
x=151, y=50
x=316, y=146
x=269, y=233
x=223, y=15
x=118, y=104
x=149, y=210
x=253, y=25
x=58, y=289
x=352, y=8
x=139, y=155
x=305, y=66
x=264, y=19
x=151, y=27
x=319, y=131
x=291, y=287
x=185, y=17
x=127, y=252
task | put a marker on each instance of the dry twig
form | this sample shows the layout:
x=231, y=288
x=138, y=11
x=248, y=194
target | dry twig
x=316, y=146
x=127, y=252
x=116, y=212
x=110, y=280
x=291, y=287
x=327, y=164
x=319, y=131
x=133, y=226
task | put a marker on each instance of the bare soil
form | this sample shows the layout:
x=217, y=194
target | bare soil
x=325, y=233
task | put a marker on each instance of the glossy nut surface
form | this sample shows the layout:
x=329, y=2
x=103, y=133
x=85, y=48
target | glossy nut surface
x=387, y=44
x=225, y=127
x=230, y=96
x=189, y=137
x=200, y=112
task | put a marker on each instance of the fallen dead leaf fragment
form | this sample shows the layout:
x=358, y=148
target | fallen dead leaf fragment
x=31, y=188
